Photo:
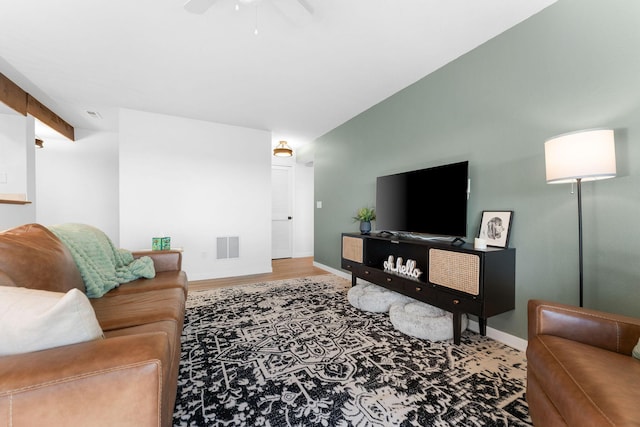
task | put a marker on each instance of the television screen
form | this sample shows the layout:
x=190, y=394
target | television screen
x=426, y=201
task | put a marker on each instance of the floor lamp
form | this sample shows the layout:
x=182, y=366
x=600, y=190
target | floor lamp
x=576, y=157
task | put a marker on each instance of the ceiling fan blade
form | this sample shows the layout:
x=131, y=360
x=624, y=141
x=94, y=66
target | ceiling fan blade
x=306, y=6
x=198, y=6
x=297, y=11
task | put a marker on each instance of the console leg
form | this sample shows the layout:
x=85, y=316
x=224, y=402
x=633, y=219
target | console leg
x=457, y=323
x=482, y=325
x=353, y=279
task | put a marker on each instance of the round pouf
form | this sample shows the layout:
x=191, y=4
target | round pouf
x=424, y=321
x=374, y=298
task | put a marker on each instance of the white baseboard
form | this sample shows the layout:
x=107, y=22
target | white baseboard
x=340, y=273
x=303, y=254
x=503, y=337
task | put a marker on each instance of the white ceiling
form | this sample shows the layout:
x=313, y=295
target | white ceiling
x=298, y=79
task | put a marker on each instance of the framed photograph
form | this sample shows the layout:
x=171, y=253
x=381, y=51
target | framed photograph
x=495, y=227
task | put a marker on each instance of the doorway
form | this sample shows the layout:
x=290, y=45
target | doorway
x=282, y=212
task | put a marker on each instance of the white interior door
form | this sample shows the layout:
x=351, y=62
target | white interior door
x=282, y=212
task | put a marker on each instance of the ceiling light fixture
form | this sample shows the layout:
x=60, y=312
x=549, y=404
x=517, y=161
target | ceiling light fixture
x=253, y=3
x=255, y=30
x=247, y=2
x=283, y=150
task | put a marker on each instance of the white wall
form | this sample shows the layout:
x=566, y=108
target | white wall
x=17, y=153
x=77, y=181
x=196, y=181
x=192, y=180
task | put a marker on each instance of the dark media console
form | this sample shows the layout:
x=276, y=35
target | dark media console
x=459, y=279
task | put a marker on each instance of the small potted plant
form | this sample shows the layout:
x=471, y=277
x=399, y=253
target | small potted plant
x=365, y=216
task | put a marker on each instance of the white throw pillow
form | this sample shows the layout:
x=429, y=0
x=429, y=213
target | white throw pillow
x=32, y=319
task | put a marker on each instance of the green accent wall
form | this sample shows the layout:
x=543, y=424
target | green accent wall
x=575, y=65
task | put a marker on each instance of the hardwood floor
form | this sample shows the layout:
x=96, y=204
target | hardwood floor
x=288, y=268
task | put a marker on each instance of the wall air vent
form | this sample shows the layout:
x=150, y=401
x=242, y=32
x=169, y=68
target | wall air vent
x=227, y=247
x=94, y=114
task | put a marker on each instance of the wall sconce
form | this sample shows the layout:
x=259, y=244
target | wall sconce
x=39, y=143
x=283, y=150
x=580, y=156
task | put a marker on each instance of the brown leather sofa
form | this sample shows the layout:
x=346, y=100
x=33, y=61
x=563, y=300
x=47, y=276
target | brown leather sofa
x=127, y=379
x=580, y=371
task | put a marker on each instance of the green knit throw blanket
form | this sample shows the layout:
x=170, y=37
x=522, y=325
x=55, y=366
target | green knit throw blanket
x=102, y=265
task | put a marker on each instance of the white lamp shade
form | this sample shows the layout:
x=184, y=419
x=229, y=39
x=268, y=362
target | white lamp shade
x=586, y=155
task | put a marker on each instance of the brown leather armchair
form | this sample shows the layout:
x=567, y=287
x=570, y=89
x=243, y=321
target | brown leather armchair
x=580, y=371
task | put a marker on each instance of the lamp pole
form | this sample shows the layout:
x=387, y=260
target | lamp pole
x=579, y=185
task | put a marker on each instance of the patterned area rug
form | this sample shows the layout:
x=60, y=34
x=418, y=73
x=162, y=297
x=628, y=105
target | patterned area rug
x=295, y=353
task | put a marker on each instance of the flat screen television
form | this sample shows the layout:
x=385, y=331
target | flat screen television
x=429, y=201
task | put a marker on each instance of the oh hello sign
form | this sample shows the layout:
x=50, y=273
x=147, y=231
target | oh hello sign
x=408, y=270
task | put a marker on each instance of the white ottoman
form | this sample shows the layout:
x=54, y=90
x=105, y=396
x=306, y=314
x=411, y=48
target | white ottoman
x=374, y=298
x=424, y=321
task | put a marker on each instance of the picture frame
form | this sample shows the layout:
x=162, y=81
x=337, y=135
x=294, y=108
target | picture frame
x=495, y=228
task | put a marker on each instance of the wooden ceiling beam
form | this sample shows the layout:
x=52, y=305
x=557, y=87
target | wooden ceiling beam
x=19, y=100
x=49, y=118
x=12, y=95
